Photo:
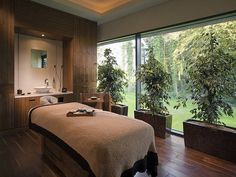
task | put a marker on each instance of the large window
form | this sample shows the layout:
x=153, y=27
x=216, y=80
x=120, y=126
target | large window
x=124, y=51
x=170, y=49
x=170, y=46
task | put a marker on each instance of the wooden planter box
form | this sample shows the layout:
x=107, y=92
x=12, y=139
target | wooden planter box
x=120, y=109
x=161, y=124
x=219, y=141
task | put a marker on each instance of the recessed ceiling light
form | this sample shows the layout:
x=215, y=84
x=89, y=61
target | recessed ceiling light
x=42, y=35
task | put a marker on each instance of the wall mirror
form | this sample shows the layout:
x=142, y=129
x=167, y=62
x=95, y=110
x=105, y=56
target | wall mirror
x=39, y=58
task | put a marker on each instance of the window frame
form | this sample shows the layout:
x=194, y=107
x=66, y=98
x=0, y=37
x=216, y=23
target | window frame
x=229, y=16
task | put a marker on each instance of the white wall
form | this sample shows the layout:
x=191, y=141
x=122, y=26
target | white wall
x=168, y=13
x=27, y=77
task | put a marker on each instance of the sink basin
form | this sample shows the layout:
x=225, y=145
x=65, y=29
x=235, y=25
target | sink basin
x=42, y=89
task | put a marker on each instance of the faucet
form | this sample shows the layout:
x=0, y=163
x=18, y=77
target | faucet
x=46, y=82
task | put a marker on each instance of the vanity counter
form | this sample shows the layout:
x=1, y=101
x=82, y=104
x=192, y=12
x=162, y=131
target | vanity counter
x=23, y=103
x=34, y=94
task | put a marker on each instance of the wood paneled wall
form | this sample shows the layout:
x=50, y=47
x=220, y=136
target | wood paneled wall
x=36, y=17
x=6, y=64
x=85, y=66
x=68, y=63
x=79, y=37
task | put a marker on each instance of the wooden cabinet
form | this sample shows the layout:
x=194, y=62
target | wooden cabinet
x=19, y=112
x=64, y=98
x=22, y=106
x=30, y=102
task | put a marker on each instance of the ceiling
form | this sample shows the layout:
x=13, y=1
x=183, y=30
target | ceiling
x=101, y=6
x=100, y=10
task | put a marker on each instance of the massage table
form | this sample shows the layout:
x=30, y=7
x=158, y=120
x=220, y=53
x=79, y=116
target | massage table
x=103, y=145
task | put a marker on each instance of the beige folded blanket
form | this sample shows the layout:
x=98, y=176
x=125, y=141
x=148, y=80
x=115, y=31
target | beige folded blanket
x=110, y=143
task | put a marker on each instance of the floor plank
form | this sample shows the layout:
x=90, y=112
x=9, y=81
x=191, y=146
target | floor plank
x=180, y=161
x=20, y=157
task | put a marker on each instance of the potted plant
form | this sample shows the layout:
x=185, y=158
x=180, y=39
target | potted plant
x=112, y=80
x=156, y=81
x=211, y=81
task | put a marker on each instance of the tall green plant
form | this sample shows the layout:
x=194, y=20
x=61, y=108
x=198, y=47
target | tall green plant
x=111, y=78
x=211, y=77
x=156, y=81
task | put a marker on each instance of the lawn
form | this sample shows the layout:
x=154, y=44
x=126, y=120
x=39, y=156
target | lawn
x=130, y=102
x=179, y=115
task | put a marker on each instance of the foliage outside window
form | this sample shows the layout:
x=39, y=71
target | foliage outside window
x=172, y=50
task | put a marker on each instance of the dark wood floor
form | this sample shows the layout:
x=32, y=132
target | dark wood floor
x=20, y=157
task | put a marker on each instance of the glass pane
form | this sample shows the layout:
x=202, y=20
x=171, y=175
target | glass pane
x=167, y=49
x=124, y=51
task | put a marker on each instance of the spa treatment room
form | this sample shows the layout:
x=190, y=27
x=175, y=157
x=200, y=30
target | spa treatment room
x=117, y=88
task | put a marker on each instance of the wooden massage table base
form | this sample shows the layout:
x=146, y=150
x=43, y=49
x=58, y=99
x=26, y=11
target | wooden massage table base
x=60, y=159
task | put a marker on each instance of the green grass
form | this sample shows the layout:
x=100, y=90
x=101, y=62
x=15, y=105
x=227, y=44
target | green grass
x=130, y=102
x=179, y=115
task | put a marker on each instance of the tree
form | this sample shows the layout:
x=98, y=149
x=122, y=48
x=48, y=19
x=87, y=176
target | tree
x=127, y=59
x=157, y=82
x=164, y=47
x=111, y=78
x=211, y=77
